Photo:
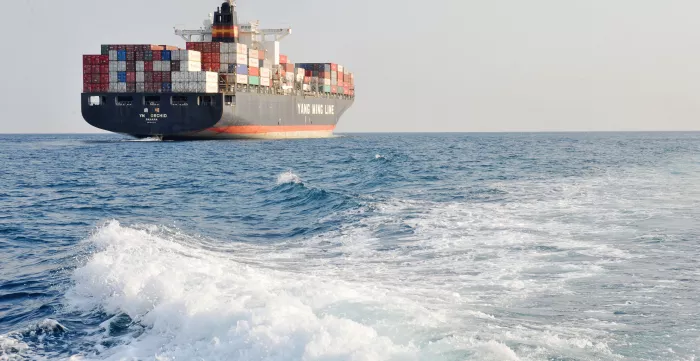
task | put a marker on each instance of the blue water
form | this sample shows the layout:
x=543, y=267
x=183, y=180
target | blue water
x=363, y=247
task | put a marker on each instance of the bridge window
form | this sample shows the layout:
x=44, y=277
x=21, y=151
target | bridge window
x=179, y=100
x=228, y=99
x=123, y=100
x=153, y=100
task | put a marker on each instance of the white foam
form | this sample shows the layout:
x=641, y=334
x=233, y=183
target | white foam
x=199, y=304
x=12, y=349
x=288, y=177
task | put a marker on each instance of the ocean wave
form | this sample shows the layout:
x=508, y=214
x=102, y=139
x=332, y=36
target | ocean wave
x=194, y=303
x=288, y=177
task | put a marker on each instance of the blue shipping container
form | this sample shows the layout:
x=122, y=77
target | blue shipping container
x=121, y=55
x=167, y=87
x=242, y=69
x=167, y=55
x=121, y=76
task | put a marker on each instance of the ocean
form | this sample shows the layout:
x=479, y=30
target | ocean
x=365, y=247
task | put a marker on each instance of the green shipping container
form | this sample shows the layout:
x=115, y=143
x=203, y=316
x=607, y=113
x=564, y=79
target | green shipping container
x=326, y=88
x=341, y=90
x=254, y=80
x=105, y=49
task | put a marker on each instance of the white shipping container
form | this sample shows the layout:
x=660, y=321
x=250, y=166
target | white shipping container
x=140, y=88
x=112, y=87
x=189, y=66
x=112, y=55
x=300, y=77
x=223, y=68
x=211, y=76
x=264, y=81
x=175, y=76
x=121, y=87
x=190, y=55
x=211, y=87
x=241, y=79
x=289, y=77
x=240, y=59
x=225, y=48
x=265, y=73
x=340, y=68
x=191, y=87
x=175, y=55
x=306, y=87
x=165, y=65
x=253, y=53
x=140, y=77
x=113, y=66
x=267, y=64
x=239, y=48
x=334, y=81
x=113, y=78
x=140, y=66
x=121, y=66
x=326, y=82
x=253, y=63
x=157, y=65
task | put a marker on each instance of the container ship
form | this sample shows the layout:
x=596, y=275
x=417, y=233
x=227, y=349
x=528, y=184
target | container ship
x=229, y=82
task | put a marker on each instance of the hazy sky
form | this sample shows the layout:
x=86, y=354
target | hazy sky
x=458, y=65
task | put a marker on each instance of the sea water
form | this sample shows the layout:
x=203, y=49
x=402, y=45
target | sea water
x=363, y=247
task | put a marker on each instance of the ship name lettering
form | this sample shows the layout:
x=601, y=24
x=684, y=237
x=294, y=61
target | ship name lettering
x=316, y=109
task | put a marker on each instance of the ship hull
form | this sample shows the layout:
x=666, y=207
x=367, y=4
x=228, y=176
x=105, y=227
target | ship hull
x=215, y=116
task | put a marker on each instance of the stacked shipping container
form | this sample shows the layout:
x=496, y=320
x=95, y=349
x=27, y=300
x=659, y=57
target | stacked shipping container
x=165, y=69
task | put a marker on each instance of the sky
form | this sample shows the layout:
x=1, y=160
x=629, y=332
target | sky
x=424, y=66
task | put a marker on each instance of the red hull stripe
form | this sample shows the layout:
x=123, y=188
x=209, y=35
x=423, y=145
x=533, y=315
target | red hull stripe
x=261, y=129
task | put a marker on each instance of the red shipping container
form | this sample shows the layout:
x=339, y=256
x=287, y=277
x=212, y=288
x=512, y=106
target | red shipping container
x=94, y=78
x=334, y=89
x=170, y=47
x=130, y=87
x=104, y=69
x=87, y=78
x=157, y=56
x=130, y=56
x=166, y=77
x=130, y=48
x=190, y=45
x=147, y=87
x=104, y=78
x=206, y=58
x=174, y=65
x=95, y=69
x=103, y=60
x=131, y=77
x=283, y=59
x=254, y=71
x=87, y=60
x=334, y=67
x=147, y=66
x=216, y=57
x=130, y=66
x=157, y=76
x=307, y=79
x=139, y=56
x=156, y=47
x=216, y=47
x=87, y=69
x=290, y=68
x=121, y=47
x=211, y=66
x=113, y=47
x=206, y=47
x=261, y=54
x=308, y=73
x=86, y=88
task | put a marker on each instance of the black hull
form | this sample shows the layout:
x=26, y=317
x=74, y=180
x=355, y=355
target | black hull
x=214, y=116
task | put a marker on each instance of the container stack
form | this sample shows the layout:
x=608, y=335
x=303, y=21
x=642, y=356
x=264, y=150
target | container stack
x=327, y=78
x=253, y=67
x=95, y=73
x=144, y=69
x=195, y=82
